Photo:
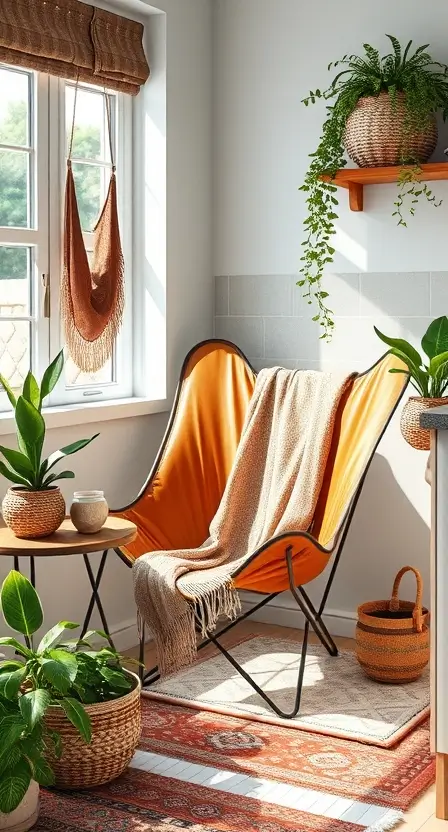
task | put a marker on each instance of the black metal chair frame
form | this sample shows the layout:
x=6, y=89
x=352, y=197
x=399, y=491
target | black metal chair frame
x=313, y=616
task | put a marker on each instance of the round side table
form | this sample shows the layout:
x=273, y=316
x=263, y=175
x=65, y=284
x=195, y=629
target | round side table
x=67, y=541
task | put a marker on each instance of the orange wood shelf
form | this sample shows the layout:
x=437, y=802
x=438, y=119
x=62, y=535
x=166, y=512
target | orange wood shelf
x=354, y=179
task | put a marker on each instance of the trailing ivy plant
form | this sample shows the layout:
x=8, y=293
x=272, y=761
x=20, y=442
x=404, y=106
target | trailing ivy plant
x=424, y=83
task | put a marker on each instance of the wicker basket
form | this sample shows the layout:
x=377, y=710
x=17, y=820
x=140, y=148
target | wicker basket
x=416, y=436
x=31, y=514
x=374, y=134
x=116, y=729
x=392, y=637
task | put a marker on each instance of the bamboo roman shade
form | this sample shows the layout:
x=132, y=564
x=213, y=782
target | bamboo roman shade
x=73, y=40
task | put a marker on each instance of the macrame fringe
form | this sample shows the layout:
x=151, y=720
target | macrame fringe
x=91, y=356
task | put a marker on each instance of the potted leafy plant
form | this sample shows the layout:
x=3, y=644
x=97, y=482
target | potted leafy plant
x=429, y=376
x=23, y=765
x=34, y=506
x=381, y=110
x=80, y=694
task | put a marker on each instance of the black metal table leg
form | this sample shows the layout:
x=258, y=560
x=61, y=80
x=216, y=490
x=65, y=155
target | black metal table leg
x=32, y=571
x=95, y=599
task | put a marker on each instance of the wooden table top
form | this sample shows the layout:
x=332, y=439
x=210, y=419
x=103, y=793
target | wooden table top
x=67, y=541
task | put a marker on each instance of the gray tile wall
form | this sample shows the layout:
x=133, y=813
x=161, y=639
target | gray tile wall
x=268, y=318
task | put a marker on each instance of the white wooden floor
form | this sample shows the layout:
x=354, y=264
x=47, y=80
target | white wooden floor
x=270, y=791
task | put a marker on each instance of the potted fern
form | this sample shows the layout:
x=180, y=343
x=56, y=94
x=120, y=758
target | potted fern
x=428, y=376
x=381, y=111
x=34, y=506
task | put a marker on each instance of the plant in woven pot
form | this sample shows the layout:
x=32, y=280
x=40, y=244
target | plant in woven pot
x=76, y=693
x=34, y=506
x=429, y=376
x=381, y=111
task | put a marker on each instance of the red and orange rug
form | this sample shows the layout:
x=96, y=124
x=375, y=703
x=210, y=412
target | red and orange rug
x=141, y=802
x=392, y=777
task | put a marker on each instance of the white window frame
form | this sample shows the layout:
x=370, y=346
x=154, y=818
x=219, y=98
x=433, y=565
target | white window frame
x=44, y=236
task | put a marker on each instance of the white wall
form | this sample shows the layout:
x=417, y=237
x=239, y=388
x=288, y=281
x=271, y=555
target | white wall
x=267, y=55
x=120, y=459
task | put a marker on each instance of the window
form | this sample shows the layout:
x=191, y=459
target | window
x=36, y=114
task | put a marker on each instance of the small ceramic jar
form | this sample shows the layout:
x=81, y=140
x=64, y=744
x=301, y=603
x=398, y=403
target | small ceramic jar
x=89, y=511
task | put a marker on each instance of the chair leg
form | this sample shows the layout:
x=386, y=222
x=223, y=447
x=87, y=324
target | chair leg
x=253, y=684
x=308, y=610
x=141, y=652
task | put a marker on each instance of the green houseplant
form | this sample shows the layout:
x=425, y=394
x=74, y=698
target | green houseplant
x=34, y=506
x=381, y=110
x=69, y=689
x=429, y=377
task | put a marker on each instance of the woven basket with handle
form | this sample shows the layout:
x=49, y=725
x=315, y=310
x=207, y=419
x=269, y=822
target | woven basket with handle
x=116, y=728
x=418, y=437
x=375, y=134
x=392, y=637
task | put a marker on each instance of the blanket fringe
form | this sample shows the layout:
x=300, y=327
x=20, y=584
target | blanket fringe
x=221, y=600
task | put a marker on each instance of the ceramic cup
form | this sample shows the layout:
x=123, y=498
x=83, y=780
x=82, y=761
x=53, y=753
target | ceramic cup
x=89, y=511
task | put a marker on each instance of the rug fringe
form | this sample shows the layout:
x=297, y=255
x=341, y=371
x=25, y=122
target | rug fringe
x=391, y=819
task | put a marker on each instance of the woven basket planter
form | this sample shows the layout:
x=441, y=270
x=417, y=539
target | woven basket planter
x=31, y=514
x=116, y=729
x=392, y=637
x=418, y=437
x=375, y=137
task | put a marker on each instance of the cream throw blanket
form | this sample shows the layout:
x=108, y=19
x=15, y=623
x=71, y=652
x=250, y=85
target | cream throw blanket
x=273, y=488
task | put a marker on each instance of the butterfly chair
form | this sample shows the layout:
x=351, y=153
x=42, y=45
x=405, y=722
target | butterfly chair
x=183, y=491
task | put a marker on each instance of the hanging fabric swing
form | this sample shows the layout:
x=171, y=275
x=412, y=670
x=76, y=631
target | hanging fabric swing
x=92, y=298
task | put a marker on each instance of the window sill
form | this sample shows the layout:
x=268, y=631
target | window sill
x=81, y=414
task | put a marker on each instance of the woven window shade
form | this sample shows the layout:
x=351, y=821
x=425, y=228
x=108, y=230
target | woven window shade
x=73, y=40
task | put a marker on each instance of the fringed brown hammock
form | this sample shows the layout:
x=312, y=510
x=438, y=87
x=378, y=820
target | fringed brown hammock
x=92, y=299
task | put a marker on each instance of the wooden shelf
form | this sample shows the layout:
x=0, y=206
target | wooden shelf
x=354, y=179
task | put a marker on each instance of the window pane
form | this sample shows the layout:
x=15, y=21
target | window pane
x=14, y=280
x=89, y=190
x=74, y=377
x=14, y=188
x=14, y=351
x=89, y=132
x=14, y=126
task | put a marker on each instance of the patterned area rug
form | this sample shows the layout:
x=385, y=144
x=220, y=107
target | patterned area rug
x=386, y=777
x=141, y=802
x=338, y=700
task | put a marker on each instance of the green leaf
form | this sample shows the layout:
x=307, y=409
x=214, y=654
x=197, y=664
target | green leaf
x=51, y=376
x=11, y=729
x=19, y=462
x=31, y=390
x=402, y=345
x=63, y=475
x=8, y=641
x=79, y=717
x=435, y=340
x=10, y=682
x=33, y=705
x=437, y=362
x=42, y=771
x=20, y=604
x=31, y=427
x=14, y=785
x=8, y=391
x=68, y=450
x=12, y=476
x=115, y=678
x=10, y=664
x=67, y=659
x=53, y=635
x=57, y=674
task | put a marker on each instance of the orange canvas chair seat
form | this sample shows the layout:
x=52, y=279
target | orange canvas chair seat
x=183, y=491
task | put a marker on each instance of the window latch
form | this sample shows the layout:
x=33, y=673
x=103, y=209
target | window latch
x=46, y=303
